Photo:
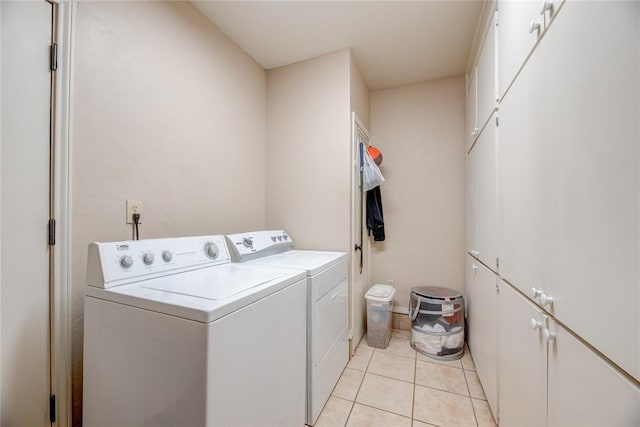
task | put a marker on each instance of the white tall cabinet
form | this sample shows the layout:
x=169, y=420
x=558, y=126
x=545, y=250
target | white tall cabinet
x=553, y=196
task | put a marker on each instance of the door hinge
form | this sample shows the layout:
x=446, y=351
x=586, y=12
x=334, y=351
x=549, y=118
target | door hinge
x=497, y=121
x=52, y=408
x=52, y=231
x=497, y=262
x=53, y=63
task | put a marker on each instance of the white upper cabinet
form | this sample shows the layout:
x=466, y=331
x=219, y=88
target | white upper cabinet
x=486, y=76
x=481, y=172
x=519, y=26
x=569, y=176
x=584, y=390
x=472, y=129
x=522, y=358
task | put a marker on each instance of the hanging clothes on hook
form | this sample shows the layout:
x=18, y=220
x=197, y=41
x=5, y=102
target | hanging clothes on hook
x=375, y=217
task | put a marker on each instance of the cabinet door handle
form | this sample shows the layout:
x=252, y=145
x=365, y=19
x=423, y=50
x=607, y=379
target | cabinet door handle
x=535, y=324
x=475, y=131
x=545, y=299
x=548, y=335
x=474, y=266
x=334, y=297
x=475, y=253
x=545, y=5
x=535, y=292
x=534, y=26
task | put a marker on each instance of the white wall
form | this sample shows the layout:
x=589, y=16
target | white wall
x=420, y=132
x=308, y=151
x=169, y=111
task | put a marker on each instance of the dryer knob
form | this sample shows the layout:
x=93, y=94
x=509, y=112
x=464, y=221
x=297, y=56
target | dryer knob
x=211, y=250
x=247, y=242
x=126, y=261
x=167, y=256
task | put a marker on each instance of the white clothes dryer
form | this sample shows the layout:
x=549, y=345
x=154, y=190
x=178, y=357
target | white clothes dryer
x=175, y=334
x=327, y=305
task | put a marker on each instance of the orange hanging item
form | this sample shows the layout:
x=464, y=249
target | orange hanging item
x=375, y=154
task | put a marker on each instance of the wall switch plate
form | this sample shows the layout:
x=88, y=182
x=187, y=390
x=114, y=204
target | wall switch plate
x=133, y=206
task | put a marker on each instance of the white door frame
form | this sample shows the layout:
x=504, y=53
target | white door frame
x=356, y=330
x=62, y=135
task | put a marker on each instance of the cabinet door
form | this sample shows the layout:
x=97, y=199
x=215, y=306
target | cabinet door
x=569, y=188
x=471, y=203
x=481, y=197
x=522, y=354
x=486, y=76
x=514, y=39
x=484, y=158
x=482, y=317
x=472, y=129
x=584, y=390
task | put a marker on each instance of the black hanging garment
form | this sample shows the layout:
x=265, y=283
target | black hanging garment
x=375, y=218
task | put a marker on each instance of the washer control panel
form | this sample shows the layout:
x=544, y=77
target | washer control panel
x=258, y=244
x=117, y=263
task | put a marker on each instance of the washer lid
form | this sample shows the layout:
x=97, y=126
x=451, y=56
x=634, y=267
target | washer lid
x=203, y=295
x=220, y=283
x=436, y=292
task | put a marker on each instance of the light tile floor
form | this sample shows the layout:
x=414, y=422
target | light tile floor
x=397, y=386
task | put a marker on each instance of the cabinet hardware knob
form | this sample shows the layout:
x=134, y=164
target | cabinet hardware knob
x=534, y=26
x=545, y=5
x=474, y=266
x=535, y=324
x=475, y=253
x=545, y=299
x=535, y=292
x=548, y=335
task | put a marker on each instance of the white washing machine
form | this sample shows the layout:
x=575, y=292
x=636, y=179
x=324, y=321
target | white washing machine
x=176, y=335
x=327, y=305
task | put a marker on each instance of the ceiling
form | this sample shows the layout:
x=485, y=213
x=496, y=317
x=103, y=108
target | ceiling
x=394, y=42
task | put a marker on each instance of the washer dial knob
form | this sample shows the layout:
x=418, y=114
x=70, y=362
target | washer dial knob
x=247, y=242
x=148, y=258
x=126, y=261
x=167, y=256
x=211, y=250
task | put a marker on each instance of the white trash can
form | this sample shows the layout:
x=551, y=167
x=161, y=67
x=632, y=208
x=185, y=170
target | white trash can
x=379, y=304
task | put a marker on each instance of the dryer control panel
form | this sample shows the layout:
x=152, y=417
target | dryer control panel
x=116, y=263
x=258, y=244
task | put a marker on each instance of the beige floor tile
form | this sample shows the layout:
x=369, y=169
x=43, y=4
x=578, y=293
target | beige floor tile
x=363, y=343
x=454, y=363
x=365, y=416
x=390, y=365
x=348, y=384
x=399, y=347
x=335, y=413
x=361, y=359
x=467, y=360
x=386, y=394
x=399, y=333
x=442, y=408
x=475, y=388
x=483, y=413
x=417, y=423
x=441, y=377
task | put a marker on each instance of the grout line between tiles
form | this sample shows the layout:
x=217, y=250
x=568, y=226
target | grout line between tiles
x=413, y=397
x=383, y=410
x=473, y=408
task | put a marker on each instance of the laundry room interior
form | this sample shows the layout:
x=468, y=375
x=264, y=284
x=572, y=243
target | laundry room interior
x=509, y=144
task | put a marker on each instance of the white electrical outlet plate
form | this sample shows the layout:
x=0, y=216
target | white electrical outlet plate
x=133, y=206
